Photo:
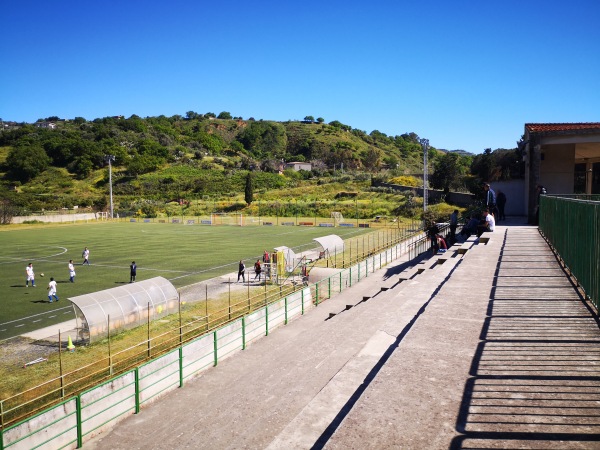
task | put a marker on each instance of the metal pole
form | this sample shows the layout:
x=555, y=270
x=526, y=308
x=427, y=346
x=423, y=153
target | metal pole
x=110, y=159
x=206, y=304
x=62, y=381
x=110, y=369
x=148, y=329
x=180, y=325
x=425, y=146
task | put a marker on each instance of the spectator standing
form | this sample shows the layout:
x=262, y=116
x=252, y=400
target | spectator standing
x=52, y=290
x=453, y=225
x=501, y=203
x=257, y=270
x=30, y=275
x=490, y=199
x=71, y=271
x=242, y=272
x=86, y=256
x=132, y=272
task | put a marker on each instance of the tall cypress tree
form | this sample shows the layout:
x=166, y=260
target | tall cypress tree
x=249, y=191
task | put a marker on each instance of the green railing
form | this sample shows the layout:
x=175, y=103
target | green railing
x=571, y=224
x=89, y=411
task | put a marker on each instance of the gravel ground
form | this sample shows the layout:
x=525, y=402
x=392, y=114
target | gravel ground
x=19, y=350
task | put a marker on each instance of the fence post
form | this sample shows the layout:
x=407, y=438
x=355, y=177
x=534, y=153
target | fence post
x=350, y=276
x=316, y=295
x=329, y=287
x=243, y=332
x=1, y=424
x=110, y=365
x=62, y=381
x=286, y=310
x=149, y=344
x=180, y=366
x=216, y=358
x=79, y=423
x=340, y=281
x=267, y=320
x=302, y=299
x=137, y=389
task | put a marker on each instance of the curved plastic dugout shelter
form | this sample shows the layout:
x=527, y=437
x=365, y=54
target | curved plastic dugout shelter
x=127, y=307
x=330, y=244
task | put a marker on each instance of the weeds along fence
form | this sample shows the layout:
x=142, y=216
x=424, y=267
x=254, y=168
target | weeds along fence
x=571, y=225
x=252, y=311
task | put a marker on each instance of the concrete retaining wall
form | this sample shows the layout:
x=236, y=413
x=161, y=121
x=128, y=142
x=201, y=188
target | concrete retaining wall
x=107, y=404
x=53, y=428
x=159, y=376
x=198, y=355
x=57, y=218
x=454, y=198
x=229, y=339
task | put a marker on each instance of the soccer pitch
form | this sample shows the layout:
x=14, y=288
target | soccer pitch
x=183, y=254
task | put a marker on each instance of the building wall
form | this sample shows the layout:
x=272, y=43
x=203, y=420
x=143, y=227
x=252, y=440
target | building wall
x=557, y=170
x=515, y=196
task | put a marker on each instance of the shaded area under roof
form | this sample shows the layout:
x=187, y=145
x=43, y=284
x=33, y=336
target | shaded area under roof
x=123, y=307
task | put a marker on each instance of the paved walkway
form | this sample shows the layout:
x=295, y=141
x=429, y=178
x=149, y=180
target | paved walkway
x=492, y=350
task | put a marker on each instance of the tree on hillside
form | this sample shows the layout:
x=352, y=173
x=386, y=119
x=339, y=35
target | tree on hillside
x=249, y=189
x=27, y=161
x=310, y=119
x=320, y=120
x=484, y=166
x=447, y=172
x=7, y=211
x=264, y=139
x=371, y=158
x=224, y=115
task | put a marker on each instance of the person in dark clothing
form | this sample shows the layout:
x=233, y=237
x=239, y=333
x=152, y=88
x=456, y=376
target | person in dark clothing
x=242, y=272
x=490, y=199
x=501, y=203
x=257, y=270
x=470, y=227
x=432, y=233
x=132, y=272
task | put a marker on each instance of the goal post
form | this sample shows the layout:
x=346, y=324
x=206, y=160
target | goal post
x=337, y=217
x=236, y=219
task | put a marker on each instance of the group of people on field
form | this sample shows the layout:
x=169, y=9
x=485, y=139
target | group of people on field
x=52, y=284
x=258, y=268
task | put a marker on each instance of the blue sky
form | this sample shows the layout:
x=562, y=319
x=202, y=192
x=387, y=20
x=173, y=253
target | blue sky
x=464, y=74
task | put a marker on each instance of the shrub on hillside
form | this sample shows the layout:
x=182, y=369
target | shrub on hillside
x=406, y=180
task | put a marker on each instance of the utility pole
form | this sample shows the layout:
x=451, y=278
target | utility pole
x=425, y=146
x=110, y=159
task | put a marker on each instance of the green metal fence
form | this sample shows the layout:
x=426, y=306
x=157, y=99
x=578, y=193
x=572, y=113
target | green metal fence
x=95, y=408
x=571, y=224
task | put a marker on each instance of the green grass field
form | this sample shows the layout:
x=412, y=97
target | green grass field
x=184, y=254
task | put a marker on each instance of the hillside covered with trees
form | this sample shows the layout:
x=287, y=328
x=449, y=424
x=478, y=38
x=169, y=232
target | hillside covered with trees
x=56, y=163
